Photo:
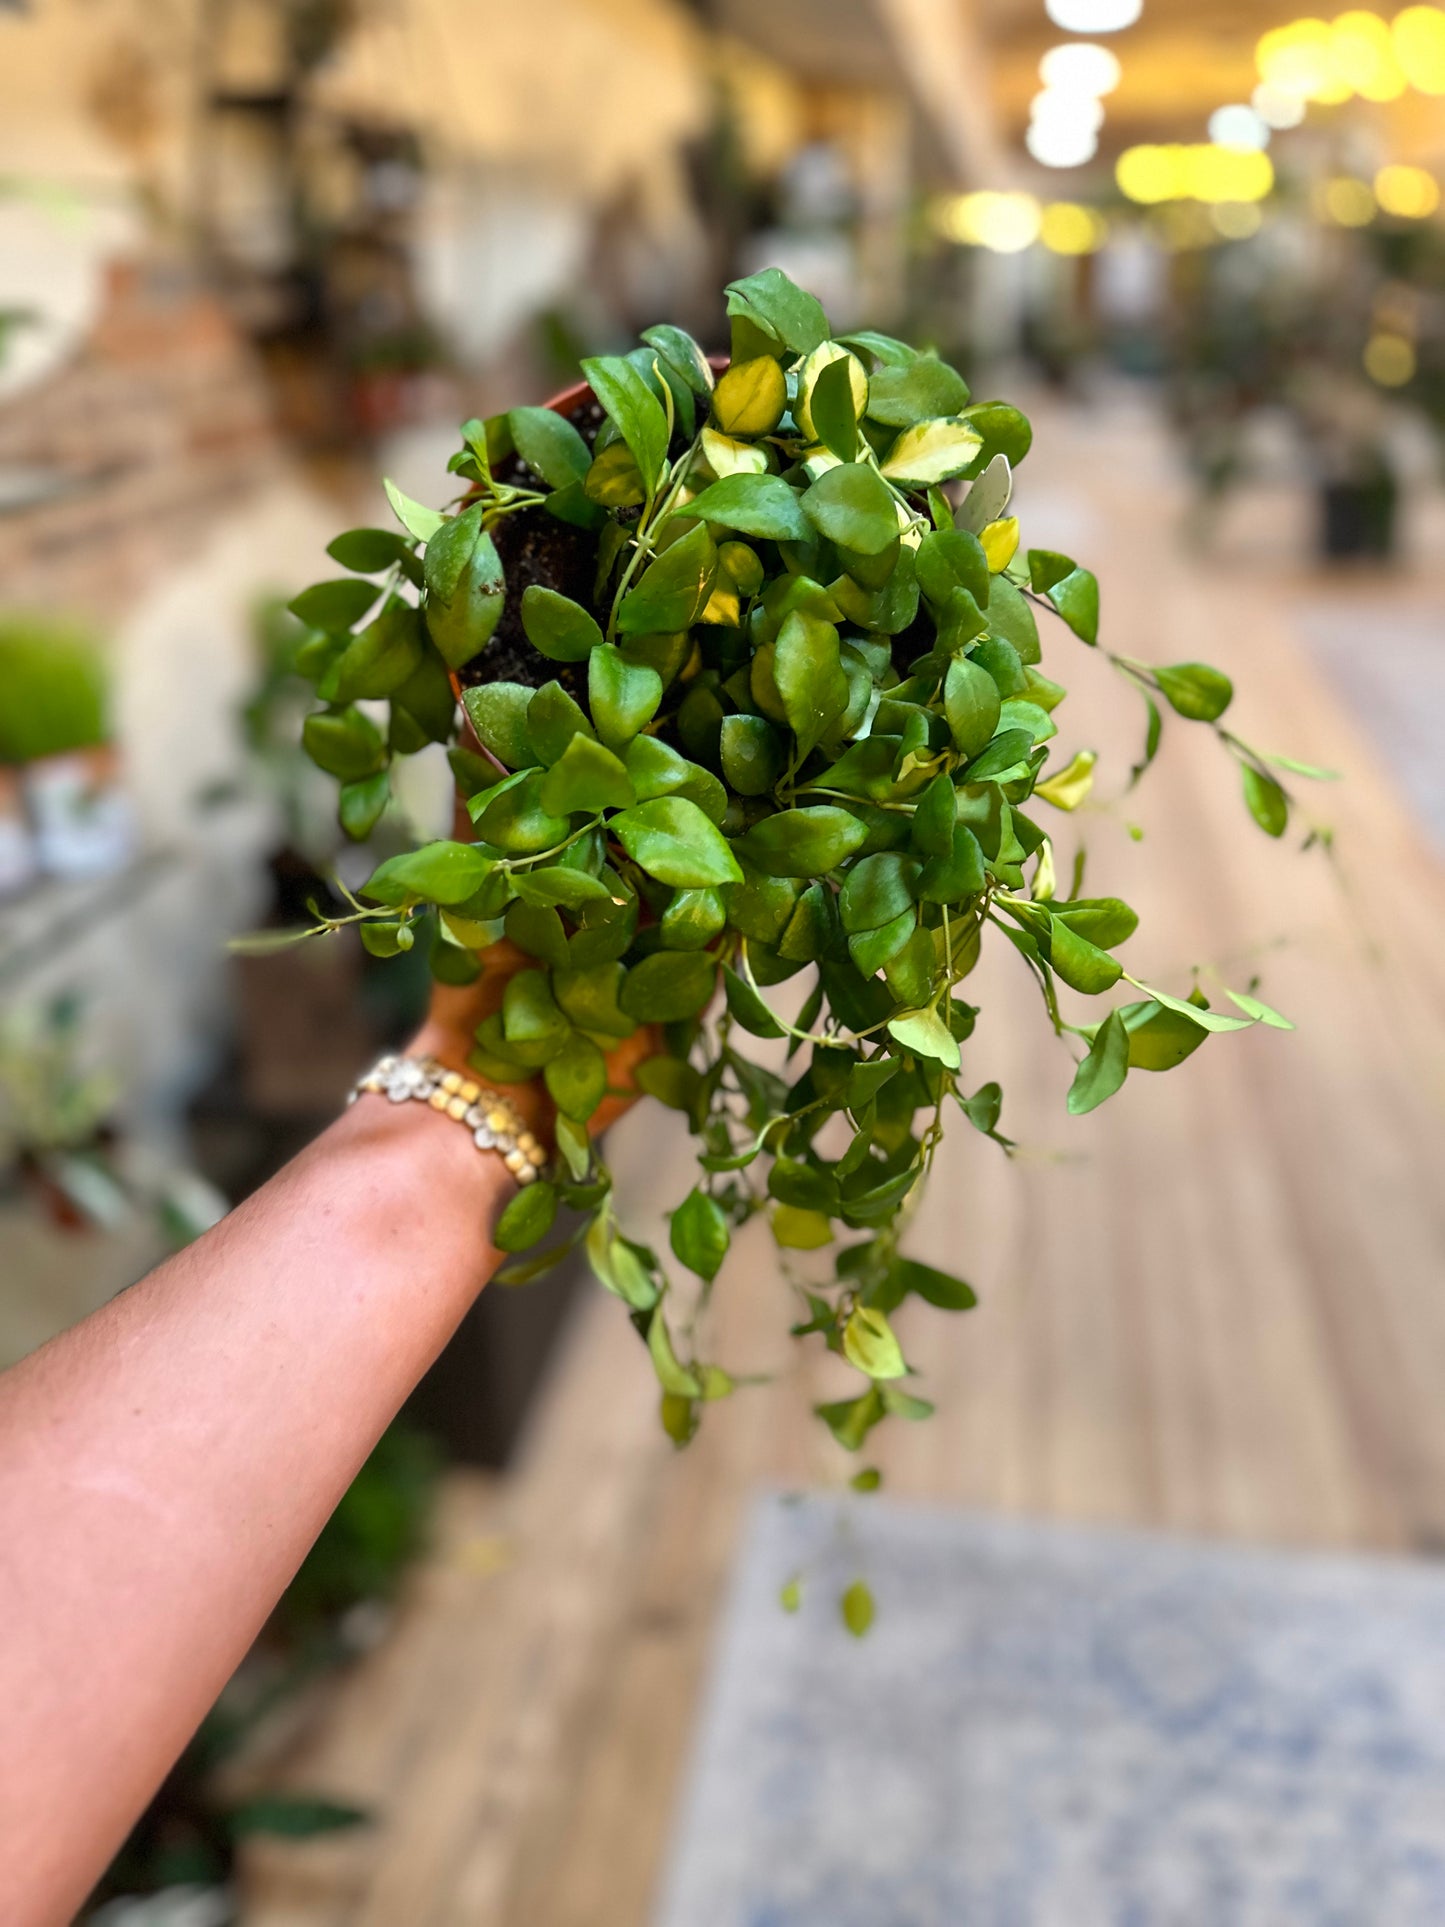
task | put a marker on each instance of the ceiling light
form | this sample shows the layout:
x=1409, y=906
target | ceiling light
x=1057, y=144
x=1057, y=111
x=1409, y=193
x=1071, y=229
x=1364, y=55
x=1300, y=59
x=1239, y=127
x=1079, y=67
x=1093, y=16
x=1276, y=108
x=1419, y=37
x=1005, y=223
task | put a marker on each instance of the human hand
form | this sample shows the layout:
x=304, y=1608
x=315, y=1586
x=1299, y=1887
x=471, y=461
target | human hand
x=449, y=1034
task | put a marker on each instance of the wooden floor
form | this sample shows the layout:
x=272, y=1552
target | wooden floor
x=1217, y=1306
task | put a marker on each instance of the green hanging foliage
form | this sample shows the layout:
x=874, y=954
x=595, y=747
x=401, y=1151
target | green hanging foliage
x=802, y=731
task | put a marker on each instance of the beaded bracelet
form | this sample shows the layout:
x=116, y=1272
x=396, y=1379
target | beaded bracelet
x=493, y=1120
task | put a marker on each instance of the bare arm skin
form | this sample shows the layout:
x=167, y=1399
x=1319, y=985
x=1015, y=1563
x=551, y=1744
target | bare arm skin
x=165, y=1466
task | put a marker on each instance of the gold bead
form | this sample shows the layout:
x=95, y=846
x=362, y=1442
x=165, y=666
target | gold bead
x=498, y=1118
x=457, y=1108
x=438, y=1100
x=526, y=1177
x=451, y=1082
x=515, y=1162
x=526, y=1142
x=471, y=1090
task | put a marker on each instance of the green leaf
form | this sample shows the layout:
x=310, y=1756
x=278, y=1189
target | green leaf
x=614, y=480
x=931, y=452
x=1261, y=1013
x=700, y=1235
x=527, y=1218
x=1004, y=431
x=291, y=1816
x=832, y=406
x=386, y=654
x=795, y=1229
x=1082, y=965
x=370, y=551
x=1195, y=690
x=747, y=1007
x=621, y=1266
x=576, y=1078
x=673, y=841
x=673, y=1378
x=1268, y=804
x=421, y=522
x=972, y=705
x=1106, y=921
x=952, y=559
x=361, y=803
x=750, y=397
x=669, y=985
x=444, y=872
x=682, y=353
x=951, y=878
x=622, y=695
x=344, y=743
x=465, y=587
x=870, y=1346
x=334, y=606
x=529, y=1010
x=1104, y=1069
x=1076, y=598
x=853, y=506
x=877, y=889
x=553, y=719
x=1159, y=1039
x=590, y=999
x=657, y=769
x=558, y=627
x=512, y=817
x=674, y=589
x=557, y=884
x=803, y=843
x=752, y=754
x=586, y=777
x=939, y=1288
x=764, y=506
x=925, y=1034
x=778, y=307
x=850, y=1420
x=635, y=411
x=1005, y=752
x=857, y=1609
x=498, y=713
x=918, y=391
x=1012, y=620
x=868, y=1480
x=809, y=675
x=549, y=445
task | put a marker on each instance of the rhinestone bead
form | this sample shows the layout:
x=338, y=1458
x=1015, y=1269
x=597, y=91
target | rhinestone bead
x=483, y=1138
x=476, y=1116
x=498, y=1119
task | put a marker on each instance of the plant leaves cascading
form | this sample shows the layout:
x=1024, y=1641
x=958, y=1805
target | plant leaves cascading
x=809, y=731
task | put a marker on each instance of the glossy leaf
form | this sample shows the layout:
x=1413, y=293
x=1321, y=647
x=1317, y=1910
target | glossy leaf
x=674, y=842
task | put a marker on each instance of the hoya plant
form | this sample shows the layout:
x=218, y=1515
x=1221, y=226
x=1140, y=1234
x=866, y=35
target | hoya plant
x=740, y=670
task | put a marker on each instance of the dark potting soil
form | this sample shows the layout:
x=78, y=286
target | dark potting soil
x=534, y=547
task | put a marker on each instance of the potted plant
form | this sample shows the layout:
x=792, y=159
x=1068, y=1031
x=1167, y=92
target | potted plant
x=751, y=685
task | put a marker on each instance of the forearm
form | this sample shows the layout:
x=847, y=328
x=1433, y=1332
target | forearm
x=165, y=1466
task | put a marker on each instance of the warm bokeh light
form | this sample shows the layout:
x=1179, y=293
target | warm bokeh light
x=1390, y=360
x=1068, y=228
x=1061, y=144
x=1419, y=37
x=1300, y=59
x=1276, y=107
x=1093, y=16
x=1364, y=55
x=1409, y=193
x=1237, y=220
x=1079, y=67
x=1239, y=126
x=1183, y=226
x=1202, y=172
x=1348, y=202
x=1003, y=223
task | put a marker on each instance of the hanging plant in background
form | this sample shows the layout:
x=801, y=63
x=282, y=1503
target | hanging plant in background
x=752, y=686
